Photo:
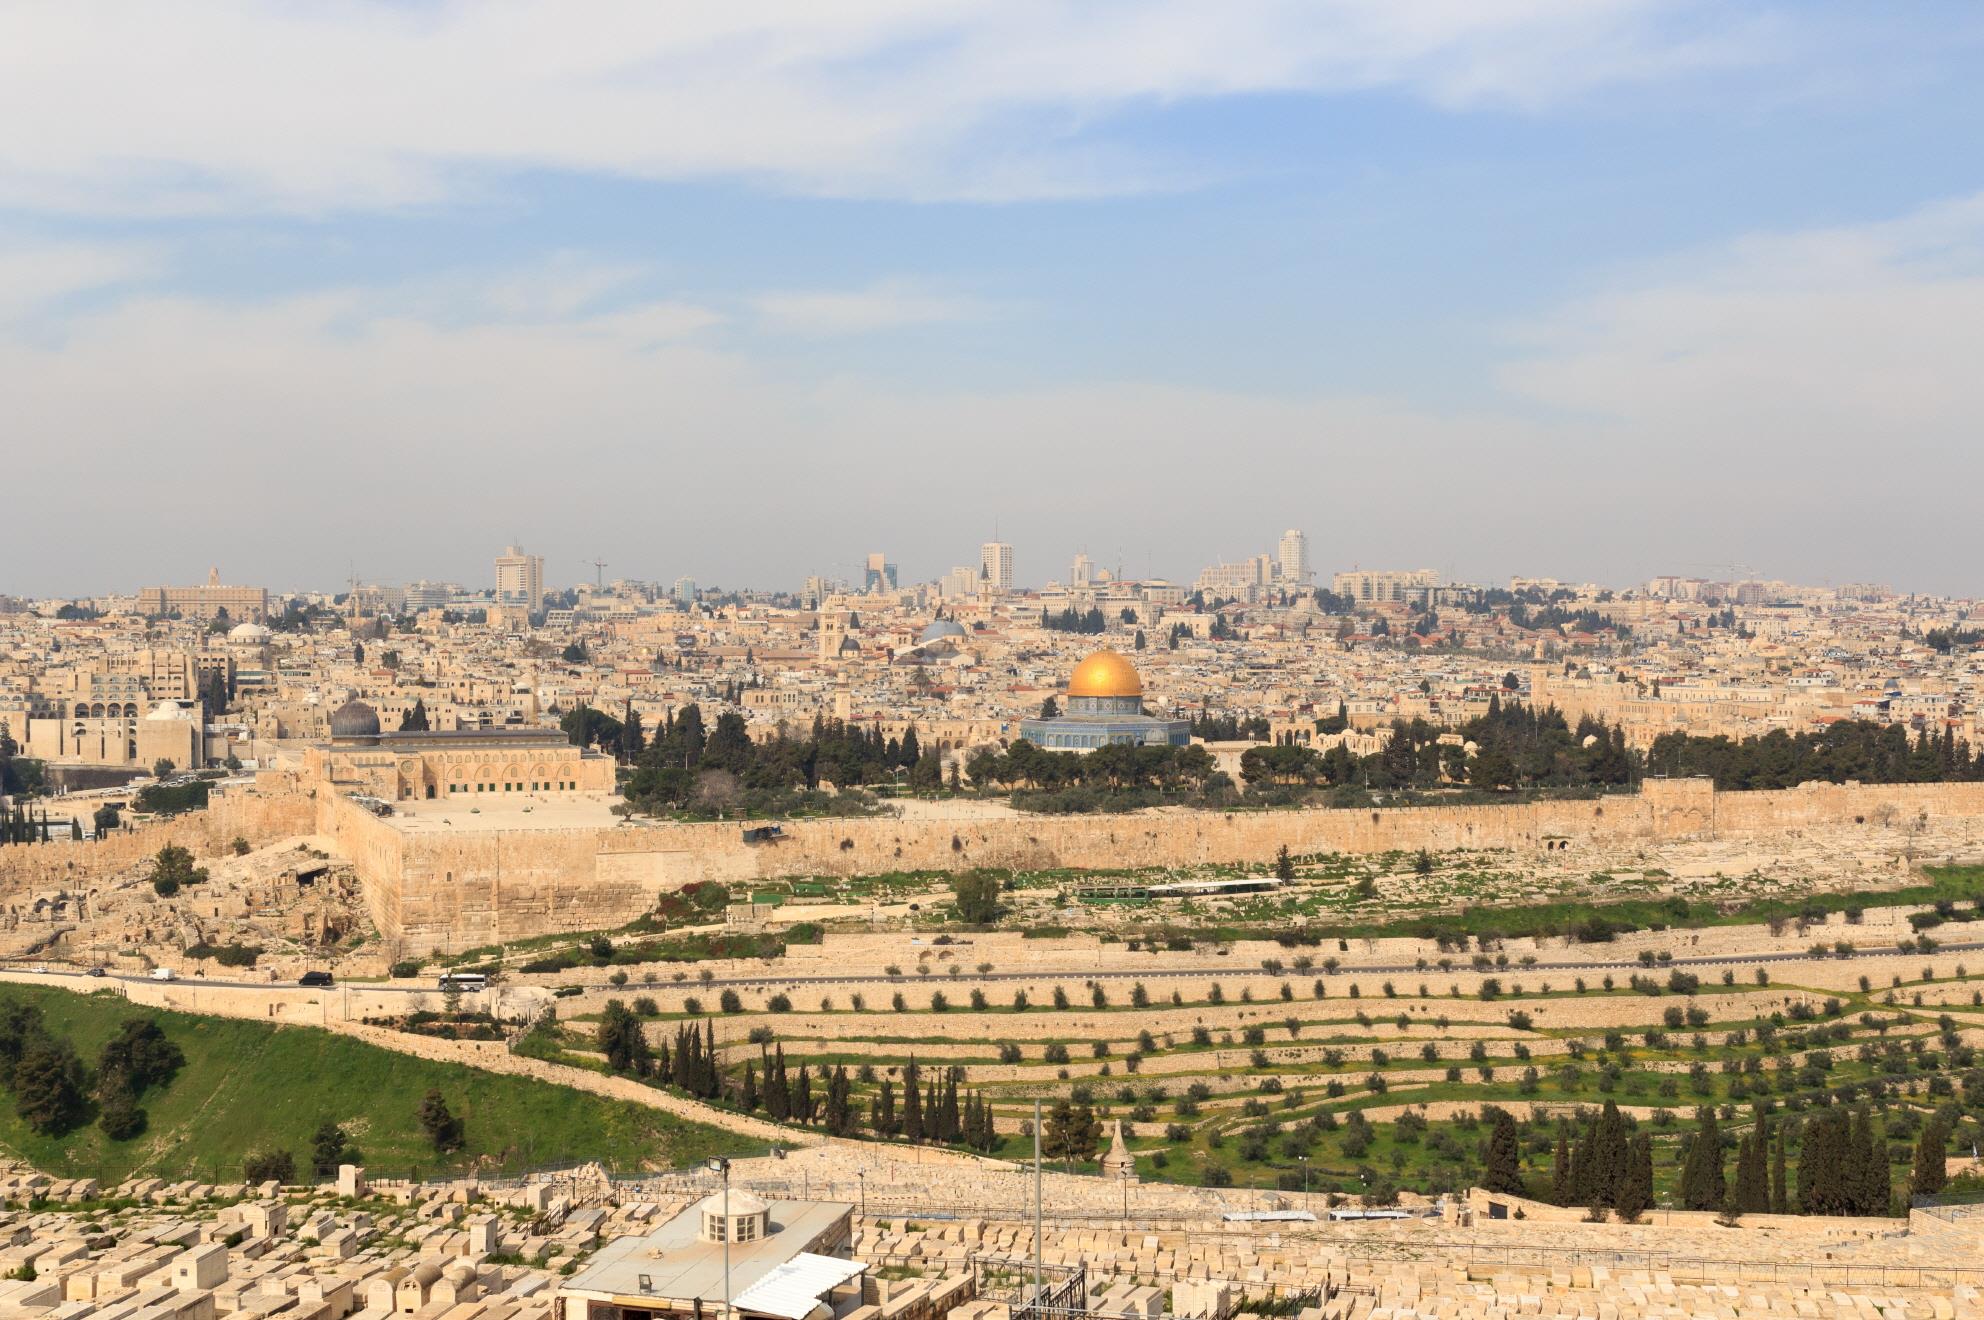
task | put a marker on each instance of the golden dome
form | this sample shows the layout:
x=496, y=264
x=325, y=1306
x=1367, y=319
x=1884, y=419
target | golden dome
x=1105, y=674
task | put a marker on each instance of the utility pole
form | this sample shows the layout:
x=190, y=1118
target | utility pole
x=1036, y=1204
x=718, y=1164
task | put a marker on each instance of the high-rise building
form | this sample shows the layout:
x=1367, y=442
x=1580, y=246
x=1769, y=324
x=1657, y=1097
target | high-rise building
x=1242, y=581
x=881, y=574
x=1292, y=555
x=995, y=566
x=685, y=591
x=519, y=579
x=1083, y=571
x=424, y=595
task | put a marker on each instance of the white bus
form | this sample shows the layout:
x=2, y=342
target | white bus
x=467, y=982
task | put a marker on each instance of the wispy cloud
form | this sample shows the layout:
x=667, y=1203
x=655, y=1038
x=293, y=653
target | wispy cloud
x=886, y=306
x=233, y=106
x=38, y=274
x=1805, y=349
x=1790, y=399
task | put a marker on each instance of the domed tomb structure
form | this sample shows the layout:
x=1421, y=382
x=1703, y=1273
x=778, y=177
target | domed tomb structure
x=1105, y=707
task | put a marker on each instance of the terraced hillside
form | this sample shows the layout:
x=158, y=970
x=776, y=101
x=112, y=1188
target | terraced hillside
x=1365, y=1063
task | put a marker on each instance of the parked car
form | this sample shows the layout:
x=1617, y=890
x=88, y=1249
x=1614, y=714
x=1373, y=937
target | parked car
x=314, y=978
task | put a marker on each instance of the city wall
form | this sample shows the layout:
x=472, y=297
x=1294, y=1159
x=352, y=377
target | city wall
x=257, y=817
x=466, y=888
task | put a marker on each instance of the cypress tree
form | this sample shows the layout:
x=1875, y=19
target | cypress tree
x=1560, y=1169
x=1608, y=1156
x=838, y=1118
x=1778, y=1204
x=950, y=1127
x=1871, y=1184
x=882, y=1110
x=749, y=1099
x=1504, y=1168
x=778, y=1100
x=1822, y=1158
x=1752, y=1172
x=1702, y=1185
x=1927, y=1176
x=1879, y=1178
x=802, y=1100
x=712, y=1071
x=1583, y=1183
x=912, y=1103
x=1635, y=1194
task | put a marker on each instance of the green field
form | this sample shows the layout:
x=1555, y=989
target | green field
x=249, y=1086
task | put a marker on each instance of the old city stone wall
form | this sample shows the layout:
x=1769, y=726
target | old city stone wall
x=468, y=887
x=259, y=818
x=431, y=889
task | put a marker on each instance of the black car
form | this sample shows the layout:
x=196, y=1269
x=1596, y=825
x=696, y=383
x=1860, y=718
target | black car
x=95, y=971
x=314, y=978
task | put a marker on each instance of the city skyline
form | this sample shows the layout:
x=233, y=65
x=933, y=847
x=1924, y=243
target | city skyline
x=502, y=580
x=1599, y=291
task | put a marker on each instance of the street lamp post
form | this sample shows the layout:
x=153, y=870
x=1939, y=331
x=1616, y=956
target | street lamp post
x=718, y=1164
x=862, y=1174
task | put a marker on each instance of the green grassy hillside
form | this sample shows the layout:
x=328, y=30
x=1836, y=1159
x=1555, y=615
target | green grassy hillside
x=250, y=1086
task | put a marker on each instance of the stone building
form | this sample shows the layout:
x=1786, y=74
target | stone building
x=452, y=764
x=1105, y=708
x=170, y=731
x=206, y=601
x=780, y=1260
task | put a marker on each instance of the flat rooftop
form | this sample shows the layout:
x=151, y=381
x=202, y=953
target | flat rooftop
x=680, y=1266
x=505, y=811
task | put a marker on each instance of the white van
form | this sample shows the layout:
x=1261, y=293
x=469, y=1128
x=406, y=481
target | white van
x=164, y=974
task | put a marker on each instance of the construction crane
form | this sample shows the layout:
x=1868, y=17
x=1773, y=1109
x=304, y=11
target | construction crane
x=599, y=572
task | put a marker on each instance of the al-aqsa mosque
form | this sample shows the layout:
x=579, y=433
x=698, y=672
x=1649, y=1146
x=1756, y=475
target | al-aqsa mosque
x=1105, y=707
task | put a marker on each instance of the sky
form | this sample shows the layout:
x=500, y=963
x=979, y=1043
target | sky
x=1591, y=289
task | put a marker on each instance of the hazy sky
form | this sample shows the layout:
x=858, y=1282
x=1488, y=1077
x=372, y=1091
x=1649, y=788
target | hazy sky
x=1586, y=288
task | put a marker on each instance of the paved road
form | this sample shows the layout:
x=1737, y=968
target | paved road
x=424, y=986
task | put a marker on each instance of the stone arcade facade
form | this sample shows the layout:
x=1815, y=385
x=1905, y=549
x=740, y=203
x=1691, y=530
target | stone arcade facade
x=457, y=765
